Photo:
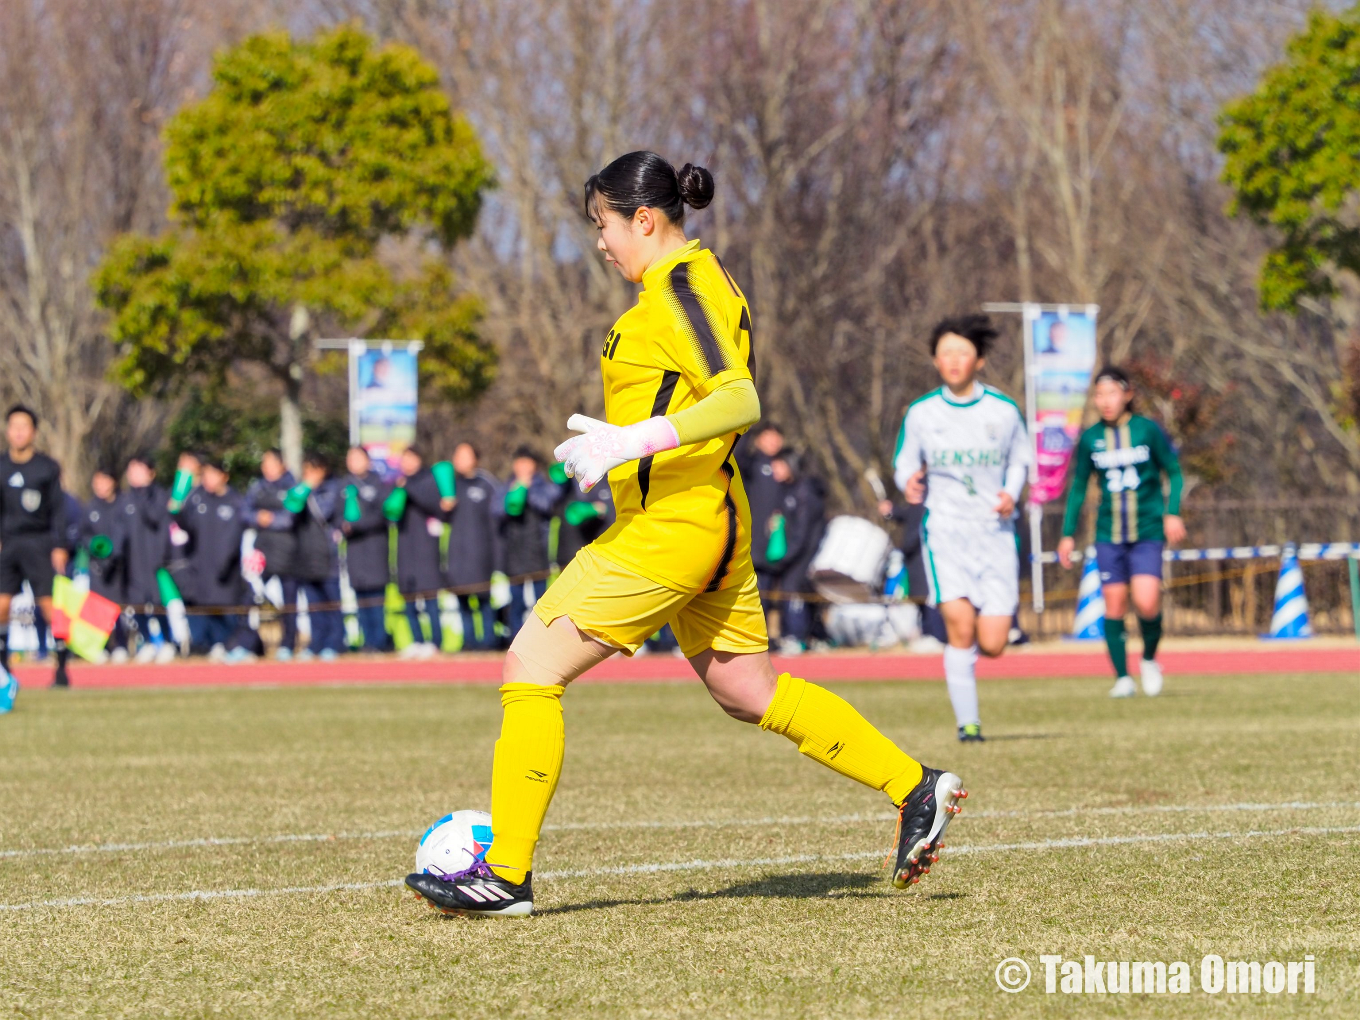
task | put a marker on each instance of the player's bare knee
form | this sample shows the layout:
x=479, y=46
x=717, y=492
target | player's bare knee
x=992, y=648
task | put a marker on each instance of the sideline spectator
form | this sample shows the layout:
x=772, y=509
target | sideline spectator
x=32, y=527
x=188, y=470
x=103, y=538
x=755, y=450
x=472, y=546
x=367, y=554
x=214, y=519
x=786, y=542
x=584, y=517
x=315, y=509
x=148, y=546
x=276, y=539
x=420, y=525
x=524, y=514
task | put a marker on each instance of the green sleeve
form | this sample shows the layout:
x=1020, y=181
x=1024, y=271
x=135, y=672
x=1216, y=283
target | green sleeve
x=1170, y=462
x=1081, y=476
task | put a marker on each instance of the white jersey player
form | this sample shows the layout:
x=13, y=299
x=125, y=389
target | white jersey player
x=965, y=450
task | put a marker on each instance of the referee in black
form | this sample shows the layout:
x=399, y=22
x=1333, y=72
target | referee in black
x=32, y=527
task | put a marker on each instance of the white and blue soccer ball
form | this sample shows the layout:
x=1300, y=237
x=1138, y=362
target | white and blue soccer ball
x=454, y=843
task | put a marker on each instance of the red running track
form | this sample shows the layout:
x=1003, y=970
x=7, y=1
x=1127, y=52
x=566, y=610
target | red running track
x=661, y=668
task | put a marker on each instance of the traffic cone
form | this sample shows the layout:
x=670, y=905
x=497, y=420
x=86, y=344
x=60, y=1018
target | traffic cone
x=1090, y=622
x=1290, y=619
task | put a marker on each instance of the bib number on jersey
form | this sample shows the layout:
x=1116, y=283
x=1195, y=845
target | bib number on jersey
x=1120, y=479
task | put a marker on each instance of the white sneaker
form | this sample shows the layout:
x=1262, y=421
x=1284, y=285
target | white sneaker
x=427, y=650
x=217, y=653
x=926, y=645
x=411, y=651
x=1124, y=687
x=118, y=656
x=165, y=654
x=146, y=654
x=1151, y=675
x=790, y=646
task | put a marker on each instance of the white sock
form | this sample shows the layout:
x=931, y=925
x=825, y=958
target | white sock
x=961, y=679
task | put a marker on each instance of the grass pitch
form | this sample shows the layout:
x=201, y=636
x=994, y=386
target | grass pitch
x=703, y=867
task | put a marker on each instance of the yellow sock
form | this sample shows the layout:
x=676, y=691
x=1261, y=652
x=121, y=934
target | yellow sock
x=827, y=729
x=524, y=774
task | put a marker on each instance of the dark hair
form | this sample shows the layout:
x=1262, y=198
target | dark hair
x=317, y=459
x=413, y=448
x=523, y=452
x=638, y=179
x=769, y=426
x=470, y=445
x=22, y=409
x=1120, y=378
x=977, y=329
x=212, y=460
x=273, y=451
x=145, y=459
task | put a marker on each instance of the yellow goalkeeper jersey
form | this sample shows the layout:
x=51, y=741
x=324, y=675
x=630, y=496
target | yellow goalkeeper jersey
x=683, y=520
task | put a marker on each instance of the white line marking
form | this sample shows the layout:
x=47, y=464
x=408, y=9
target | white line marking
x=713, y=823
x=696, y=865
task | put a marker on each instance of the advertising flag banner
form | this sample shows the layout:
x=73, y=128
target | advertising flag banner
x=383, y=386
x=1061, y=349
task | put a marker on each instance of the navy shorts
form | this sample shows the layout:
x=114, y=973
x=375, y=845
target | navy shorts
x=1118, y=561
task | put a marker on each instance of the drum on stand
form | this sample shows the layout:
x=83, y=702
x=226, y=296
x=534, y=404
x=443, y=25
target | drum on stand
x=850, y=562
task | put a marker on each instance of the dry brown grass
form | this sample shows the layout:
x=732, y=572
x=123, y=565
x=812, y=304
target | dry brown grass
x=812, y=938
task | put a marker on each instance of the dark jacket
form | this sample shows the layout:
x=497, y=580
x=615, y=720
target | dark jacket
x=317, y=557
x=572, y=538
x=74, y=513
x=108, y=575
x=524, y=536
x=148, y=541
x=366, y=548
x=805, y=514
x=278, y=542
x=473, y=538
x=418, y=533
x=215, y=525
x=766, y=497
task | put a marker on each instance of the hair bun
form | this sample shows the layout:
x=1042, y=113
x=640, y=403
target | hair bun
x=696, y=186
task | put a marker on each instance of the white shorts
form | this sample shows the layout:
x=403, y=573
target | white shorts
x=973, y=560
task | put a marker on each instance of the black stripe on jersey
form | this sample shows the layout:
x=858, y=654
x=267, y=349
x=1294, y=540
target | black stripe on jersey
x=701, y=332
x=613, y=350
x=750, y=342
x=730, y=544
x=745, y=321
x=659, y=405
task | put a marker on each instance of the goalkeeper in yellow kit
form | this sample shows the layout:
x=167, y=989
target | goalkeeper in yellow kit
x=678, y=392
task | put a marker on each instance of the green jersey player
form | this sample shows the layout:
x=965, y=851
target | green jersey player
x=1128, y=454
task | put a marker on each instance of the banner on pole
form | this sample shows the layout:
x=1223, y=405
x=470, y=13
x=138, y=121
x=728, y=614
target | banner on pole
x=1060, y=348
x=383, y=384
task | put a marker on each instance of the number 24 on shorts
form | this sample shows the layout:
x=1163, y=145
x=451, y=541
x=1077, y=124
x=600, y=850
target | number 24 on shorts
x=1119, y=479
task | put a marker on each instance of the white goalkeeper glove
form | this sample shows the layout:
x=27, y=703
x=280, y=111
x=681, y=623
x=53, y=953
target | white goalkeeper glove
x=603, y=447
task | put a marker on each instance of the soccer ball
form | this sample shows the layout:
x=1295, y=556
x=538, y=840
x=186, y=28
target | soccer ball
x=454, y=843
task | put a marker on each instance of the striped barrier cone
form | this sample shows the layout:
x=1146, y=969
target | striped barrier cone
x=1290, y=619
x=1090, y=622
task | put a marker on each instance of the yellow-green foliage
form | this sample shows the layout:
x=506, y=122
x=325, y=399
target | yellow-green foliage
x=284, y=180
x=1293, y=159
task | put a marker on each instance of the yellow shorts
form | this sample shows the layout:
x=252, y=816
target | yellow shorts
x=624, y=609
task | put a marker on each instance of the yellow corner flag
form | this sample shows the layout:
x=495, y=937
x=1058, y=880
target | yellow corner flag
x=81, y=618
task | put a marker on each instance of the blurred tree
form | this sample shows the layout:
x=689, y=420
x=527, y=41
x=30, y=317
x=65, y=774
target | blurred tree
x=298, y=185
x=239, y=431
x=1292, y=152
